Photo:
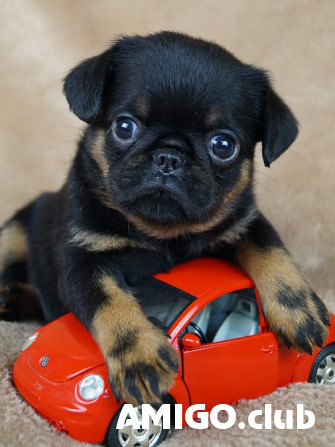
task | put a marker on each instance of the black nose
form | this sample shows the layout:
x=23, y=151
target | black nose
x=168, y=161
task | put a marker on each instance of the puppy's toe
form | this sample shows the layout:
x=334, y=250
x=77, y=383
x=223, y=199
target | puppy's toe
x=299, y=318
x=145, y=372
x=311, y=329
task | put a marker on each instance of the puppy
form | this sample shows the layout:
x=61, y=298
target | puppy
x=163, y=174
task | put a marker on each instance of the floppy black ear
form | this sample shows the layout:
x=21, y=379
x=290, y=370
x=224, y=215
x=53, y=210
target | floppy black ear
x=83, y=86
x=280, y=127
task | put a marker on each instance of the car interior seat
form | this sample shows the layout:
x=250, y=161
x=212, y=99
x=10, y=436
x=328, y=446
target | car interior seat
x=242, y=321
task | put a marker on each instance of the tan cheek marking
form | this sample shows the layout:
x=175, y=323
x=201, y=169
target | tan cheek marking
x=242, y=183
x=97, y=152
x=13, y=244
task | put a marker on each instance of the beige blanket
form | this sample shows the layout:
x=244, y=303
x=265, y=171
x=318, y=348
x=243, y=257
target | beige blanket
x=40, y=40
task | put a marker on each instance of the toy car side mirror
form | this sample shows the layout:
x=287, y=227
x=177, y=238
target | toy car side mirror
x=190, y=341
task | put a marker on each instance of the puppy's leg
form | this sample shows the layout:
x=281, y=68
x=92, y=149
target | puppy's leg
x=293, y=311
x=17, y=298
x=141, y=363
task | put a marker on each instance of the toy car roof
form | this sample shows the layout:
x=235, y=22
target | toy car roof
x=202, y=275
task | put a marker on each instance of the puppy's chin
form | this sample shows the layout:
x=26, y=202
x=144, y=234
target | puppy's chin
x=158, y=205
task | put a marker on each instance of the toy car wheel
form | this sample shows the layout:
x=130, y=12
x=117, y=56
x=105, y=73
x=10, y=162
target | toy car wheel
x=131, y=437
x=323, y=369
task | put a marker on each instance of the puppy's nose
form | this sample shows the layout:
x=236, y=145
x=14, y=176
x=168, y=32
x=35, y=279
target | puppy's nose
x=168, y=161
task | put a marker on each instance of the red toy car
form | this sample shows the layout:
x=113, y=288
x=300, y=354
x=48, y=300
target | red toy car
x=212, y=312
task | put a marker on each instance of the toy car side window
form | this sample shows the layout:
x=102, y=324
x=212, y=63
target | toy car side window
x=232, y=315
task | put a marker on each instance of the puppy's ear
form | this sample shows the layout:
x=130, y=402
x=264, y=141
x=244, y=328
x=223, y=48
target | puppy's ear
x=84, y=85
x=280, y=127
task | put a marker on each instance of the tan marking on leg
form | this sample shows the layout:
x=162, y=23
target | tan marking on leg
x=270, y=266
x=119, y=315
x=13, y=244
x=271, y=270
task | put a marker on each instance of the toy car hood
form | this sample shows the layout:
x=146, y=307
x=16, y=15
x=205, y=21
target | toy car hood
x=57, y=361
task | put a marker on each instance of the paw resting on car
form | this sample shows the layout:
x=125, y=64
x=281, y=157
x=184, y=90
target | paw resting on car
x=298, y=317
x=141, y=362
x=144, y=371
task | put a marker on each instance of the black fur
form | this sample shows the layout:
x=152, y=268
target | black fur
x=291, y=299
x=125, y=341
x=165, y=189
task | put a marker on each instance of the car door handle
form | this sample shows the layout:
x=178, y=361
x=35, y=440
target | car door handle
x=268, y=349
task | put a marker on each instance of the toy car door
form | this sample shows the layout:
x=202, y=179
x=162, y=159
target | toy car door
x=236, y=360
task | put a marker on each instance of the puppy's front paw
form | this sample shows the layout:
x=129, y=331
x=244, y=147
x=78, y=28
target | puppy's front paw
x=10, y=299
x=297, y=316
x=142, y=365
x=18, y=302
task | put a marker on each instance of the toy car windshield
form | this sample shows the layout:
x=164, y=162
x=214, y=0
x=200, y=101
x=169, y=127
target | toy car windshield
x=161, y=302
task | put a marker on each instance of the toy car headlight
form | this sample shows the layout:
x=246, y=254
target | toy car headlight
x=30, y=340
x=91, y=387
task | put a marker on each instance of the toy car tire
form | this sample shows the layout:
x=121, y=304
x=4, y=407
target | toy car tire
x=132, y=437
x=323, y=369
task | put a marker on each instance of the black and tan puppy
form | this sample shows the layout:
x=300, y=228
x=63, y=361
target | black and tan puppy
x=163, y=173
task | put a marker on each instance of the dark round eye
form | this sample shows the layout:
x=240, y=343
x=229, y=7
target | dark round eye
x=224, y=147
x=125, y=128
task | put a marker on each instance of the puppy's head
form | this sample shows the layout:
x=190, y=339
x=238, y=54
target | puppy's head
x=175, y=121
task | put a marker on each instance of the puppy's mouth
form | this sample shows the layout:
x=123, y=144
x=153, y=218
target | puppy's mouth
x=165, y=200
x=161, y=203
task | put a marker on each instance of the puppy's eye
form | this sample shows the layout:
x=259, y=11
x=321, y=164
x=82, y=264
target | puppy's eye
x=224, y=147
x=125, y=128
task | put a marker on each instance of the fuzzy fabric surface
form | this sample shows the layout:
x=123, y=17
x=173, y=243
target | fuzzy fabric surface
x=40, y=40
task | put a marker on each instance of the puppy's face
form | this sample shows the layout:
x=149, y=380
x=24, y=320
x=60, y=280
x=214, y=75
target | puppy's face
x=180, y=118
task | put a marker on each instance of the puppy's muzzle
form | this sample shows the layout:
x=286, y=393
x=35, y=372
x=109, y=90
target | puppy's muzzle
x=168, y=161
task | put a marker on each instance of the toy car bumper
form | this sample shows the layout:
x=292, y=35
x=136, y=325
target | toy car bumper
x=61, y=405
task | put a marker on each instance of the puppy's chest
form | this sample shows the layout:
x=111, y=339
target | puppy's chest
x=183, y=249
